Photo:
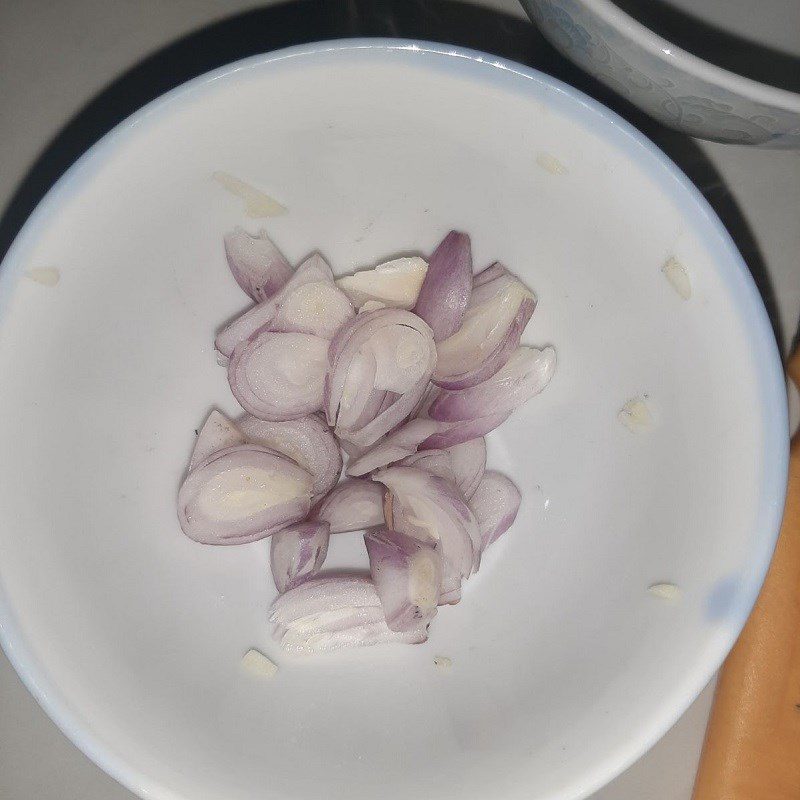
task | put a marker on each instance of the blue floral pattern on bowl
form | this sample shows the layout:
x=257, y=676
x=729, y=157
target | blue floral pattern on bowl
x=665, y=89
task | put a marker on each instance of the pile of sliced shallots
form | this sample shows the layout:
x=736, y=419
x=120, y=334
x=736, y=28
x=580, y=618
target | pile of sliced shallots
x=405, y=367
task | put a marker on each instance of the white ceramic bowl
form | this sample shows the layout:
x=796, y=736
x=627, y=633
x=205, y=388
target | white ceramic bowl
x=679, y=89
x=565, y=668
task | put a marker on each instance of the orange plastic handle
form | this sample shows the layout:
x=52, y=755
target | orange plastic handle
x=752, y=745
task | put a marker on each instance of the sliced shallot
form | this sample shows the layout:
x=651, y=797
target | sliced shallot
x=462, y=464
x=298, y=552
x=527, y=372
x=435, y=462
x=353, y=505
x=408, y=395
x=332, y=631
x=242, y=494
x=497, y=314
x=487, y=274
x=242, y=328
x=495, y=504
x=395, y=446
x=307, y=440
x=352, y=451
x=380, y=364
x=326, y=614
x=446, y=290
x=258, y=266
x=396, y=283
x=468, y=461
x=217, y=433
x=314, y=270
x=314, y=306
x=451, y=597
x=452, y=433
x=432, y=510
x=328, y=593
x=279, y=376
x=408, y=577
x=372, y=305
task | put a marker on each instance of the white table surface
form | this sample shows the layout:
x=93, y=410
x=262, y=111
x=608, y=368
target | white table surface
x=55, y=56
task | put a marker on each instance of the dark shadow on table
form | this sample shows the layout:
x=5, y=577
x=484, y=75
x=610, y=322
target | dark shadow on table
x=270, y=28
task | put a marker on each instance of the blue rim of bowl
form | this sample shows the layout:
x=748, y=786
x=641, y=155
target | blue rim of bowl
x=680, y=59
x=774, y=419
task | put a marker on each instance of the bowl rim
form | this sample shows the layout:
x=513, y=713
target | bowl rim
x=774, y=414
x=665, y=50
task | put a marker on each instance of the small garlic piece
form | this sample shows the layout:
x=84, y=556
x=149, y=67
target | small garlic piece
x=257, y=204
x=47, y=276
x=666, y=591
x=551, y=164
x=678, y=277
x=635, y=415
x=442, y=662
x=256, y=663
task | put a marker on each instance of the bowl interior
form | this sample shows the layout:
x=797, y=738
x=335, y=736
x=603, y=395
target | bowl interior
x=564, y=666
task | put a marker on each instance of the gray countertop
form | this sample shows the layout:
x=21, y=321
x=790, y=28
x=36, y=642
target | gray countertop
x=57, y=57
